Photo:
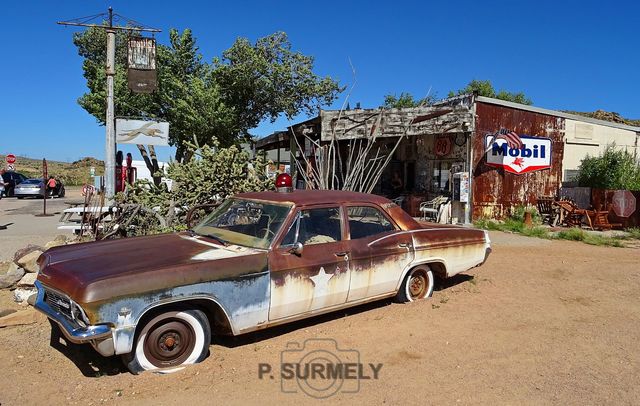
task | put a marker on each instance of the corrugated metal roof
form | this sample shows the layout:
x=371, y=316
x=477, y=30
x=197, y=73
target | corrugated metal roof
x=555, y=113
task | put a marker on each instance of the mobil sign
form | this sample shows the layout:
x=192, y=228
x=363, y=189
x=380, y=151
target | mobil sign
x=534, y=155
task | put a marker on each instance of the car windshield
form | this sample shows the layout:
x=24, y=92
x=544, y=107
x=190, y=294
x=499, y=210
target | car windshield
x=244, y=222
x=31, y=182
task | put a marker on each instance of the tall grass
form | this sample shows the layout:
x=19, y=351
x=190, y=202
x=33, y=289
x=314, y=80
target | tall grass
x=515, y=224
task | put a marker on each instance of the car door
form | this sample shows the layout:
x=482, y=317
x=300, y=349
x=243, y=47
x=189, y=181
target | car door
x=380, y=251
x=317, y=277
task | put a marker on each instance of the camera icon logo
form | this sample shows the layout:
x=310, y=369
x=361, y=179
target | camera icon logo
x=319, y=368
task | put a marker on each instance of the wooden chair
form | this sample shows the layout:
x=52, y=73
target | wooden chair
x=600, y=220
x=545, y=208
x=571, y=215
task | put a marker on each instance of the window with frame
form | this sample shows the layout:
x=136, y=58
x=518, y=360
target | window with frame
x=315, y=226
x=366, y=221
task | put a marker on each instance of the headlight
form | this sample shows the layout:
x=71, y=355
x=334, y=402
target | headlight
x=78, y=315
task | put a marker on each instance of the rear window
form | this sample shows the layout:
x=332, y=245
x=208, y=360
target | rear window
x=31, y=182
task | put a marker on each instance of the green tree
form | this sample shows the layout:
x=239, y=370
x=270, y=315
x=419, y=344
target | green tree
x=266, y=79
x=222, y=100
x=392, y=101
x=485, y=88
x=613, y=169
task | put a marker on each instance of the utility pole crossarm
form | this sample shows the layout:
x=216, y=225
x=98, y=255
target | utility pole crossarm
x=115, y=27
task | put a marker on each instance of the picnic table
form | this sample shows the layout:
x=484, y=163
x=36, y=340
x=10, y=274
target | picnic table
x=81, y=217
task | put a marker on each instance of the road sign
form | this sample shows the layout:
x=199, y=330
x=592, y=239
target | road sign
x=10, y=158
x=11, y=167
x=624, y=203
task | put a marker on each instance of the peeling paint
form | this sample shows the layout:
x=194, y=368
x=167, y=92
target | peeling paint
x=496, y=191
x=254, y=288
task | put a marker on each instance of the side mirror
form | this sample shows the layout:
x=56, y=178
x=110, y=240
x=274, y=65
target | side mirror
x=296, y=249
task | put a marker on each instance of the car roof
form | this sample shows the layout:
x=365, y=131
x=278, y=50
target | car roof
x=309, y=197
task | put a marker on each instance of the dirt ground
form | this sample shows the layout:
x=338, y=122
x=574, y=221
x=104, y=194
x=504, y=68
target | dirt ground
x=542, y=322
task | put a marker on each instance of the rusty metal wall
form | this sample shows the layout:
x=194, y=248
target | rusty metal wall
x=496, y=191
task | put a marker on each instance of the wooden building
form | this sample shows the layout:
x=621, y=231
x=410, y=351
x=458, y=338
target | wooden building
x=459, y=147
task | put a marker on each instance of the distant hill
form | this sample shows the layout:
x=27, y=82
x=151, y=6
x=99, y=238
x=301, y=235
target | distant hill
x=606, y=116
x=75, y=173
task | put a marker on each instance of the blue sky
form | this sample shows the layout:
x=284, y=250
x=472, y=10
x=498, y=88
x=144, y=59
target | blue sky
x=574, y=55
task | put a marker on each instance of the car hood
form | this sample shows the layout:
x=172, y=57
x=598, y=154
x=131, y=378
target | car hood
x=96, y=271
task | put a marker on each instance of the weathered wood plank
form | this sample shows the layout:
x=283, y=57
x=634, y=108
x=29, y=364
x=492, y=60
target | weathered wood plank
x=352, y=124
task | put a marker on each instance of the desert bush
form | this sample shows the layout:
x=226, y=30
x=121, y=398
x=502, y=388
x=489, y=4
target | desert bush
x=210, y=175
x=613, y=169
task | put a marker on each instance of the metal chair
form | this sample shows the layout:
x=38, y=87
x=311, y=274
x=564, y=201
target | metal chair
x=432, y=207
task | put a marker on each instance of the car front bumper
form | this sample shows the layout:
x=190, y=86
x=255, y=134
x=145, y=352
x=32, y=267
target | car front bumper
x=99, y=336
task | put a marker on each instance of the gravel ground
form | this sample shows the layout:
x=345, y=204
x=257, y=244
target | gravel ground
x=542, y=322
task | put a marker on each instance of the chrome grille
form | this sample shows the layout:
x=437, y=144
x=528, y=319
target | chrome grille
x=58, y=302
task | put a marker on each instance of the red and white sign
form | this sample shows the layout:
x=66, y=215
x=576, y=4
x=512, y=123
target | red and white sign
x=10, y=158
x=624, y=203
x=442, y=146
x=534, y=155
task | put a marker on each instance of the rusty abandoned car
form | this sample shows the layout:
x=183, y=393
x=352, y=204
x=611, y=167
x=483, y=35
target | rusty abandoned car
x=260, y=259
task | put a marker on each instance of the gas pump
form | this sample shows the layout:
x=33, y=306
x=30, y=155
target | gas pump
x=124, y=174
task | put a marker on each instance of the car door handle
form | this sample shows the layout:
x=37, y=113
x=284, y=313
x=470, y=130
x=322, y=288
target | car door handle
x=404, y=245
x=341, y=254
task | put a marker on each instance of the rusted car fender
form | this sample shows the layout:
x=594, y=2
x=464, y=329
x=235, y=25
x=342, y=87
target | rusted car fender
x=437, y=265
x=467, y=249
x=125, y=330
x=242, y=312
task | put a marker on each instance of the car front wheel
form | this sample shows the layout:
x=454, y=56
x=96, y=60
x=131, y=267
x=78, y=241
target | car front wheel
x=169, y=341
x=418, y=284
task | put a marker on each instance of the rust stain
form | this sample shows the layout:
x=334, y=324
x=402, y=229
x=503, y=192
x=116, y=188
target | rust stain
x=496, y=191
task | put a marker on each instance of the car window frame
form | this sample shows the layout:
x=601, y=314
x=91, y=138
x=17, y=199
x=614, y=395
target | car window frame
x=390, y=219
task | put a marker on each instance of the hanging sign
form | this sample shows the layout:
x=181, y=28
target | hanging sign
x=534, y=155
x=142, y=132
x=141, y=72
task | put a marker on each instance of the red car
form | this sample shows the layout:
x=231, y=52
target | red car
x=259, y=260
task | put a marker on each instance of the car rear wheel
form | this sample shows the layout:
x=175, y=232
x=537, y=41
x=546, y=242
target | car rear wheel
x=418, y=284
x=170, y=341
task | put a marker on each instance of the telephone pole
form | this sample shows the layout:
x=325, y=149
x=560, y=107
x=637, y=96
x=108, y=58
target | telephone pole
x=110, y=143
